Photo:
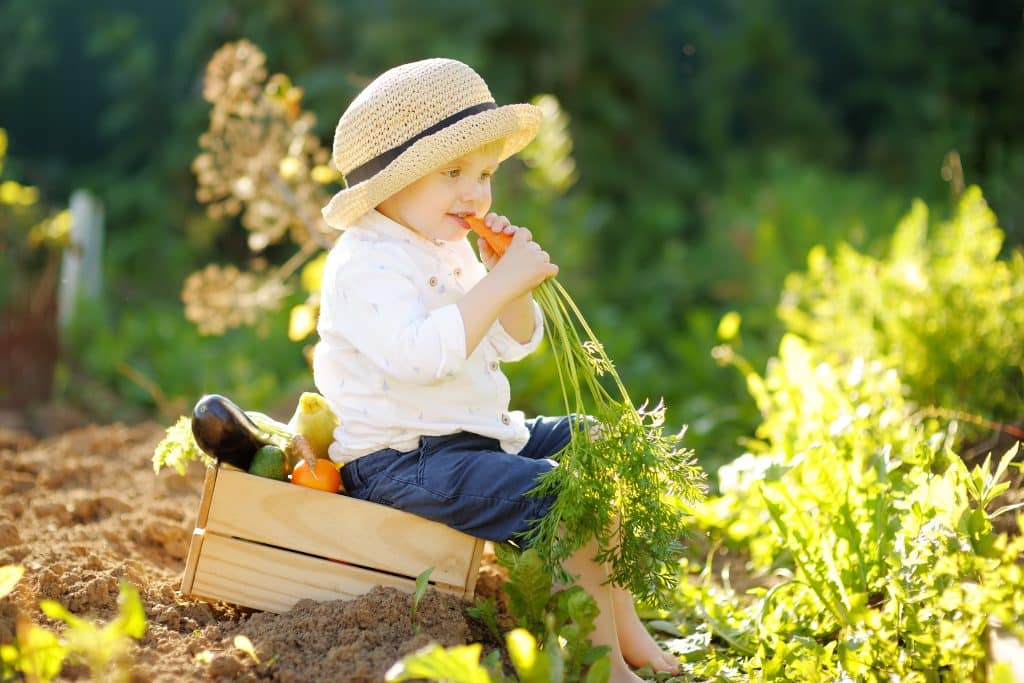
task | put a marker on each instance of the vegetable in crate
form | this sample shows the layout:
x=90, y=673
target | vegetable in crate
x=314, y=420
x=271, y=462
x=323, y=475
x=622, y=482
x=229, y=434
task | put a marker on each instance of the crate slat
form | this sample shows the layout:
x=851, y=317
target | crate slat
x=274, y=580
x=195, y=549
x=338, y=527
x=209, y=484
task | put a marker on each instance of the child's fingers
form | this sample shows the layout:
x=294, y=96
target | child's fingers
x=498, y=223
x=521, y=235
x=487, y=255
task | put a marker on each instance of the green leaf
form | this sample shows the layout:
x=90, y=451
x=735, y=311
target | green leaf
x=9, y=577
x=8, y=661
x=459, y=664
x=582, y=607
x=243, y=643
x=486, y=611
x=600, y=671
x=131, y=620
x=594, y=654
x=530, y=662
x=1004, y=509
x=40, y=653
x=55, y=610
x=529, y=589
x=178, y=448
x=1002, y=672
x=506, y=554
x=993, y=488
x=422, y=584
x=665, y=627
x=729, y=326
x=552, y=651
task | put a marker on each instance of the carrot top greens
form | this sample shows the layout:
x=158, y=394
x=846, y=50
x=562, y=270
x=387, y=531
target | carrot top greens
x=621, y=480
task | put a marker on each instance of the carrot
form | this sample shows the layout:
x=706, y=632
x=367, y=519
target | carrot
x=497, y=241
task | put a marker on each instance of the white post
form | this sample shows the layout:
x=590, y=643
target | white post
x=81, y=270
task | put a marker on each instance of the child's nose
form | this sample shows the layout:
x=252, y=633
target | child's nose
x=476, y=190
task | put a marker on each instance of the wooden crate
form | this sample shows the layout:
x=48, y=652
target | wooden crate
x=267, y=544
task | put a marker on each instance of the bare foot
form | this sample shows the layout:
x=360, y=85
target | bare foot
x=638, y=647
x=621, y=673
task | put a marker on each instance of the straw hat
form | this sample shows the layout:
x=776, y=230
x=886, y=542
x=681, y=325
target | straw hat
x=412, y=119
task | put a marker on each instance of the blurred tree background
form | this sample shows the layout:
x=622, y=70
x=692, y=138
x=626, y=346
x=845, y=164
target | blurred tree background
x=715, y=144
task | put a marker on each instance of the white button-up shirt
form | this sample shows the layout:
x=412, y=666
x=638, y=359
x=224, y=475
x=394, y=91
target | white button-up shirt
x=391, y=360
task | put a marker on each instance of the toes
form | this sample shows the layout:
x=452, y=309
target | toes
x=668, y=664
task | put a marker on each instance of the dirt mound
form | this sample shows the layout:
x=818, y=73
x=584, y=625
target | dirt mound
x=83, y=509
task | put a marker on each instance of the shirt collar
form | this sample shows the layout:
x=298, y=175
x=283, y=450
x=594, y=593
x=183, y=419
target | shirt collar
x=377, y=222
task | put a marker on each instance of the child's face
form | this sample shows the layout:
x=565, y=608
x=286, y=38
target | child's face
x=434, y=204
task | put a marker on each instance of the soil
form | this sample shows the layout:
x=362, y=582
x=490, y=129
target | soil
x=83, y=509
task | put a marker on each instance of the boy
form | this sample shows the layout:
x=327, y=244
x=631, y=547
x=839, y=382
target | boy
x=413, y=327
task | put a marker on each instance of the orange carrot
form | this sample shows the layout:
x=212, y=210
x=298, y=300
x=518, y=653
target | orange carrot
x=497, y=241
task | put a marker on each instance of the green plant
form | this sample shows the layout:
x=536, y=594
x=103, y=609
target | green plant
x=122, y=362
x=486, y=612
x=39, y=654
x=434, y=662
x=944, y=307
x=881, y=536
x=869, y=539
x=178, y=448
x=550, y=643
x=554, y=626
x=422, y=584
x=243, y=643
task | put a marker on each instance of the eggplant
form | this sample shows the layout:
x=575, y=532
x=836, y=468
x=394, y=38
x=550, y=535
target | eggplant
x=224, y=431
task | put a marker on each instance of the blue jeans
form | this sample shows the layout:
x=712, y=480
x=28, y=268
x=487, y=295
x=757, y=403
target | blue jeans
x=464, y=480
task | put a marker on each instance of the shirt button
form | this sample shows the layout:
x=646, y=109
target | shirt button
x=432, y=281
x=457, y=272
x=505, y=419
x=493, y=365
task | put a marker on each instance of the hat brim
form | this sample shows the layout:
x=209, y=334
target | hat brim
x=515, y=124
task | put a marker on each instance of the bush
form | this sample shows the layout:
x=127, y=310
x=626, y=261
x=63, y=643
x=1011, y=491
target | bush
x=870, y=541
x=944, y=309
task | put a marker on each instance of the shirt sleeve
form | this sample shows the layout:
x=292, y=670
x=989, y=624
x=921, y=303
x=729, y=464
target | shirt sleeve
x=507, y=347
x=381, y=312
x=511, y=349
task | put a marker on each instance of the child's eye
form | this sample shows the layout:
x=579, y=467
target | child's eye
x=452, y=173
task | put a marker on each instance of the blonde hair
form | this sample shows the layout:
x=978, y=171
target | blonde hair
x=493, y=147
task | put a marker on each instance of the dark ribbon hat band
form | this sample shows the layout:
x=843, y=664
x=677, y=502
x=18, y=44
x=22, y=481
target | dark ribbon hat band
x=381, y=161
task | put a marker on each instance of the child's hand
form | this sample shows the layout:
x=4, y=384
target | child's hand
x=524, y=265
x=497, y=224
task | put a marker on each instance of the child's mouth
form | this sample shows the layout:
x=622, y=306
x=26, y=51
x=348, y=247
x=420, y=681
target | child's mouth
x=460, y=220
